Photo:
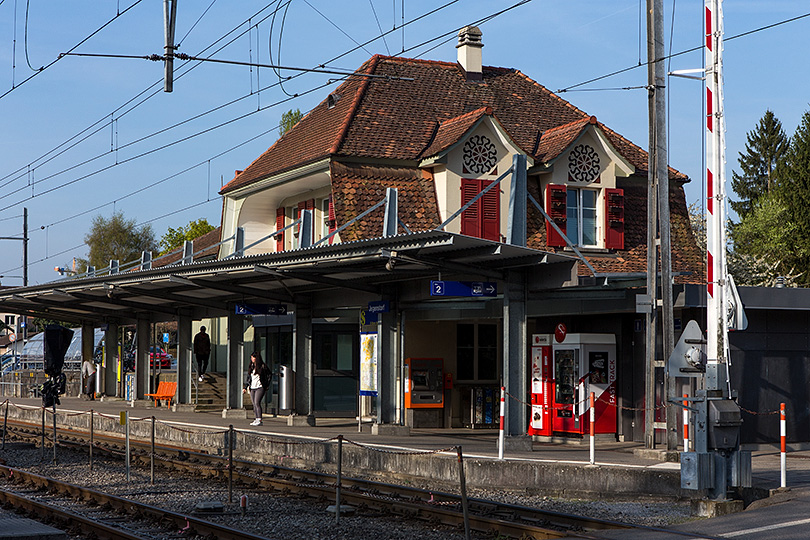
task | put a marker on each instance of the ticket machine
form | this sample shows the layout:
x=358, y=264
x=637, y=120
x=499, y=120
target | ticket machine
x=424, y=383
x=564, y=373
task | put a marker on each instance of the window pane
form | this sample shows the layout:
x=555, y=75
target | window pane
x=572, y=215
x=466, y=364
x=324, y=353
x=465, y=335
x=488, y=364
x=588, y=217
x=344, y=352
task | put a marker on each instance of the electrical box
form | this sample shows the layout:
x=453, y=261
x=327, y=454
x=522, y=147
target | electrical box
x=424, y=383
x=725, y=419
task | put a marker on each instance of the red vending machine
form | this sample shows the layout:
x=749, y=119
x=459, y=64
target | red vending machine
x=566, y=368
x=541, y=383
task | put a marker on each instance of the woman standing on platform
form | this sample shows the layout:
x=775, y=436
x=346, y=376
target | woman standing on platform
x=257, y=381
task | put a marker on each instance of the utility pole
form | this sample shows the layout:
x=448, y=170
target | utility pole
x=25, y=268
x=25, y=263
x=169, y=18
x=658, y=229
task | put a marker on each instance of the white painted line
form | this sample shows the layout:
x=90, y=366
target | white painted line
x=766, y=528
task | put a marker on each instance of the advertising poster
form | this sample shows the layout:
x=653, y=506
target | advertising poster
x=368, y=363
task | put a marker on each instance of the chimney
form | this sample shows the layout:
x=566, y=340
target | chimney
x=469, y=52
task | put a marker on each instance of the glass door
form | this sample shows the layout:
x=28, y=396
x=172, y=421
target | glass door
x=336, y=358
x=566, y=381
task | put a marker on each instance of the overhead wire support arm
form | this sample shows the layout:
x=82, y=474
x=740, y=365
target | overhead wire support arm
x=182, y=56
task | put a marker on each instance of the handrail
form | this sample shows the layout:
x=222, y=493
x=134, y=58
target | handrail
x=342, y=227
x=559, y=231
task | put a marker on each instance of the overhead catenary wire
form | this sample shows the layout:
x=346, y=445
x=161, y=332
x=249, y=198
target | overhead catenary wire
x=680, y=53
x=343, y=75
x=80, y=43
x=99, y=156
x=157, y=85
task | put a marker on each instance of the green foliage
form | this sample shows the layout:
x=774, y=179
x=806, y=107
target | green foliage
x=174, y=238
x=116, y=238
x=38, y=324
x=288, y=120
x=760, y=163
x=764, y=245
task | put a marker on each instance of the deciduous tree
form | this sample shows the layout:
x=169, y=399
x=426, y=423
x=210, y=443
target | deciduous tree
x=175, y=237
x=116, y=238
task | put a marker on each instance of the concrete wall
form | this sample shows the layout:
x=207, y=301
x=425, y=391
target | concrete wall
x=553, y=479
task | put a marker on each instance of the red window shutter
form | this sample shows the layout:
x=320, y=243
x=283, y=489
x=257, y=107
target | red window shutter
x=310, y=204
x=470, y=218
x=279, y=226
x=491, y=213
x=332, y=219
x=556, y=196
x=614, y=218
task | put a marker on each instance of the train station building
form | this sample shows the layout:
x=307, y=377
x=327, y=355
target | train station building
x=429, y=232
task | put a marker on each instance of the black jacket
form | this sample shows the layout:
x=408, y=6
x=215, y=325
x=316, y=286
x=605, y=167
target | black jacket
x=264, y=377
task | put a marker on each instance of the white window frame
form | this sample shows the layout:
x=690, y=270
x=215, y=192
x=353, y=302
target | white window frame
x=579, y=219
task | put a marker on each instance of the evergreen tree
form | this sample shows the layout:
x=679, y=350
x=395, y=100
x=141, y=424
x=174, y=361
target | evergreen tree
x=794, y=190
x=759, y=164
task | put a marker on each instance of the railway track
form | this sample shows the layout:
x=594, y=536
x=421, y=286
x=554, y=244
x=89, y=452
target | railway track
x=490, y=517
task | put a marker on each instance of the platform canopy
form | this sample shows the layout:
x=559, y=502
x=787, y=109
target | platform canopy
x=215, y=288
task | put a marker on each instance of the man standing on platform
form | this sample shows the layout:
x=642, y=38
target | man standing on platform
x=89, y=374
x=202, y=350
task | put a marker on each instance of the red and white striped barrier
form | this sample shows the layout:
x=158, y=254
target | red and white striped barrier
x=500, y=435
x=593, y=421
x=782, y=429
x=685, y=424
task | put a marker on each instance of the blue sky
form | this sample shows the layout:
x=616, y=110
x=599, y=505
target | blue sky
x=558, y=43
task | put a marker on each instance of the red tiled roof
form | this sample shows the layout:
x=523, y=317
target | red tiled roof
x=357, y=187
x=204, y=242
x=397, y=119
x=450, y=131
x=402, y=121
x=554, y=141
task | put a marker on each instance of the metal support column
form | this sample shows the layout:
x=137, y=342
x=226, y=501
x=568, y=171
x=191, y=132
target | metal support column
x=387, y=366
x=184, y=338
x=304, y=381
x=515, y=357
x=142, y=381
x=111, y=359
x=236, y=364
x=516, y=226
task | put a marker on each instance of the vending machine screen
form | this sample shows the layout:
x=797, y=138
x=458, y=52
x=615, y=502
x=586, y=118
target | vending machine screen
x=566, y=375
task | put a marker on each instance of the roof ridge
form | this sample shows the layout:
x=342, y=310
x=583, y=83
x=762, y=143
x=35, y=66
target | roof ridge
x=587, y=120
x=552, y=94
x=476, y=112
x=359, y=93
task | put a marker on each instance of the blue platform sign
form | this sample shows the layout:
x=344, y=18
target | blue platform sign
x=261, y=309
x=463, y=288
x=380, y=306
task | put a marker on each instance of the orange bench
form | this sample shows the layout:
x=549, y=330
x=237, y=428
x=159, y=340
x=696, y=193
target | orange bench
x=165, y=391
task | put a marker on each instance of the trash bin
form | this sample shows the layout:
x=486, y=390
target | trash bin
x=286, y=388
